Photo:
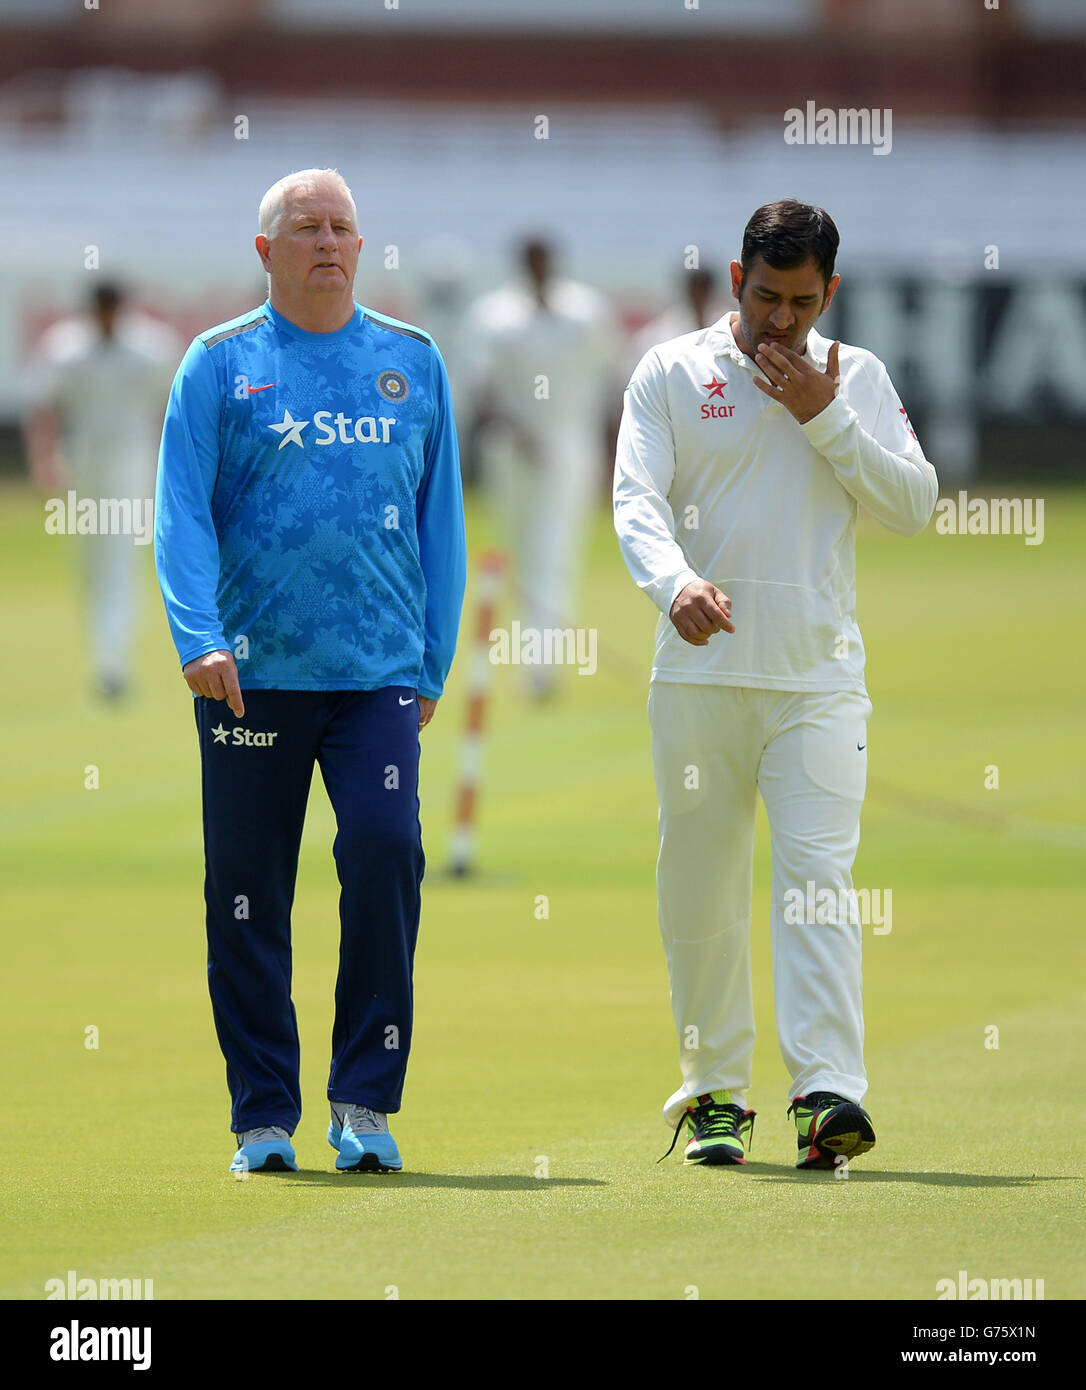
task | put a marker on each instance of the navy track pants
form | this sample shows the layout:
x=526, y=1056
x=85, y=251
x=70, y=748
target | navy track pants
x=256, y=774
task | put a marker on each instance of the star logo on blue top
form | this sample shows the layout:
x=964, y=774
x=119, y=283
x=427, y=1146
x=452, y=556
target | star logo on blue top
x=290, y=429
x=220, y=733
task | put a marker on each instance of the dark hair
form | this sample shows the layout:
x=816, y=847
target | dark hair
x=787, y=233
x=107, y=295
x=534, y=248
x=701, y=279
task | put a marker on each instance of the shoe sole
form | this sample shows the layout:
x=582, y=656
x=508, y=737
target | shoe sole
x=368, y=1163
x=846, y=1135
x=272, y=1163
x=718, y=1157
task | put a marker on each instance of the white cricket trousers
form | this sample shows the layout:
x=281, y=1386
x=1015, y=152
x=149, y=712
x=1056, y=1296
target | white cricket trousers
x=714, y=748
x=114, y=567
x=544, y=504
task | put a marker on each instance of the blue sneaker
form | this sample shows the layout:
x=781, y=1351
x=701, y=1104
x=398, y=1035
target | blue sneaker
x=361, y=1136
x=264, y=1150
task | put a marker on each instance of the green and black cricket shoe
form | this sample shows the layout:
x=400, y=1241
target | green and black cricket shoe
x=720, y=1132
x=830, y=1128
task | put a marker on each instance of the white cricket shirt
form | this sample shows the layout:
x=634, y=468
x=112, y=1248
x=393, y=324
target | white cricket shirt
x=111, y=394
x=548, y=368
x=715, y=481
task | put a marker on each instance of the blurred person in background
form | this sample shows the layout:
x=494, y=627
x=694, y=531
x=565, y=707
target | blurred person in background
x=97, y=391
x=444, y=299
x=699, y=304
x=541, y=354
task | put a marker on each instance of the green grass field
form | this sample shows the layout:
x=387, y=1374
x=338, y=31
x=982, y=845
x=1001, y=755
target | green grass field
x=547, y=1045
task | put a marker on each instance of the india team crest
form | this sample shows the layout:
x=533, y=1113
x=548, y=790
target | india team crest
x=393, y=386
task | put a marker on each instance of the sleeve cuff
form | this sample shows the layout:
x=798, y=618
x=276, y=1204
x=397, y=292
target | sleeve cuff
x=205, y=649
x=669, y=595
x=828, y=423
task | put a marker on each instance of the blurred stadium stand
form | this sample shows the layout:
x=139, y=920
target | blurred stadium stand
x=119, y=130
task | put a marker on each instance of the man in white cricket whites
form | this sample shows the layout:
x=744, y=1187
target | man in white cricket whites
x=744, y=454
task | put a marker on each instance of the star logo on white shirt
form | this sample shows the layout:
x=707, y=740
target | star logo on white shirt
x=220, y=734
x=290, y=429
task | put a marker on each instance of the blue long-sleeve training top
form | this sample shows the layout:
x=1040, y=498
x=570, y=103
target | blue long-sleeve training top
x=309, y=515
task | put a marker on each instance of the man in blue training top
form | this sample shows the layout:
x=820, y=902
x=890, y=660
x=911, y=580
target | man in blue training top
x=309, y=541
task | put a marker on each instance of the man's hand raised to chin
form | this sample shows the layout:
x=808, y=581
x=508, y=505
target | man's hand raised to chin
x=800, y=387
x=700, y=610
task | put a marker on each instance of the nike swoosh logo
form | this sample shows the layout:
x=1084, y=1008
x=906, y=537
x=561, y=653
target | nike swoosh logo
x=254, y=389
x=860, y=747
x=406, y=702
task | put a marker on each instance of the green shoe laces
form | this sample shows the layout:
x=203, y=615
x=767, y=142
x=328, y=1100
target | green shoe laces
x=713, y=1120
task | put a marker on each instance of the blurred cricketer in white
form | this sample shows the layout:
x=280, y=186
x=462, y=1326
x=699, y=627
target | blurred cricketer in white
x=97, y=389
x=539, y=355
x=745, y=452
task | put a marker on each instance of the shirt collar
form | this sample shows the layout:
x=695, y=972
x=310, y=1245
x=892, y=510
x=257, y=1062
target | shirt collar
x=724, y=344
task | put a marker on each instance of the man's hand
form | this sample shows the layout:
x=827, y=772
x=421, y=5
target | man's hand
x=426, y=710
x=800, y=387
x=216, y=676
x=699, y=611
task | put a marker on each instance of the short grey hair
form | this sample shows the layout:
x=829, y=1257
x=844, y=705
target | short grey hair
x=273, y=203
